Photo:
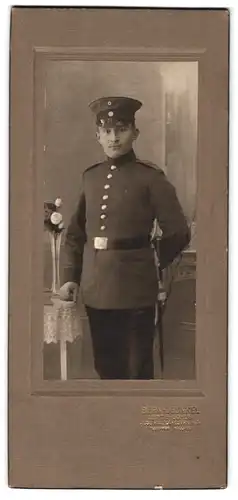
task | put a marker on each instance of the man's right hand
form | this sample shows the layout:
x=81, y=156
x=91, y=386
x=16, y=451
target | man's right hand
x=69, y=291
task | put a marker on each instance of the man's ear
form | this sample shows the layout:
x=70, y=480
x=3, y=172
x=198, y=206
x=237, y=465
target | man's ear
x=97, y=136
x=136, y=133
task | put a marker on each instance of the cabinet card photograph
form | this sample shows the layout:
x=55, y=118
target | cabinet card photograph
x=118, y=248
x=120, y=150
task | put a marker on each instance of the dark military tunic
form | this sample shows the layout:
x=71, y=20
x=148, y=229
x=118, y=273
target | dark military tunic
x=120, y=199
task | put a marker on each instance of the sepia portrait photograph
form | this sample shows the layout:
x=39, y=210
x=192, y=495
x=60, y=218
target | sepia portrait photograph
x=119, y=248
x=120, y=149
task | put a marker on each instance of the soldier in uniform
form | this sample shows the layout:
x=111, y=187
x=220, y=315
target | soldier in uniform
x=109, y=253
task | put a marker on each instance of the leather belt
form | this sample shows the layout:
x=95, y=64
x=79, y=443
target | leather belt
x=104, y=243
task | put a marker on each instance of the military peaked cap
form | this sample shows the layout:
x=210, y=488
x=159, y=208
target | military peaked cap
x=110, y=110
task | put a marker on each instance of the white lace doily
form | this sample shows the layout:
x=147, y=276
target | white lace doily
x=61, y=321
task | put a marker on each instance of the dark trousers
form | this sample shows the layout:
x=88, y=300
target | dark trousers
x=123, y=342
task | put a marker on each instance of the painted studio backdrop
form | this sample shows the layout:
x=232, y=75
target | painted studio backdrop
x=168, y=138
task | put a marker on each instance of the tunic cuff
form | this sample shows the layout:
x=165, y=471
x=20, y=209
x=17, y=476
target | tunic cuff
x=72, y=274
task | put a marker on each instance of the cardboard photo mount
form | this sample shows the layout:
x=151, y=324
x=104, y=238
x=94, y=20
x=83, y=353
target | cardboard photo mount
x=117, y=434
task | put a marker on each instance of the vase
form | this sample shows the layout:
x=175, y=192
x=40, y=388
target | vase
x=55, y=244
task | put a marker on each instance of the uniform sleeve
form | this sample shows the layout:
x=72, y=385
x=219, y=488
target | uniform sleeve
x=74, y=242
x=171, y=219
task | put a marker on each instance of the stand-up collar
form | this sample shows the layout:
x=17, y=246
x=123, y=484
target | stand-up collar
x=128, y=157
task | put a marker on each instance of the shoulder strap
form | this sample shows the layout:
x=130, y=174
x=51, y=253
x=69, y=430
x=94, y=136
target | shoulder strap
x=149, y=164
x=92, y=166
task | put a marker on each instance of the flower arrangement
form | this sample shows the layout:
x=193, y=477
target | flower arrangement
x=53, y=219
x=54, y=225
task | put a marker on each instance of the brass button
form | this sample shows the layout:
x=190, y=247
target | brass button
x=105, y=197
x=103, y=207
x=103, y=216
x=109, y=176
x=102, y=228
x=107, y=186
x=113, y=167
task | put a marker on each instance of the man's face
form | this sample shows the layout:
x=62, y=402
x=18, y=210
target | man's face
x=117, y=140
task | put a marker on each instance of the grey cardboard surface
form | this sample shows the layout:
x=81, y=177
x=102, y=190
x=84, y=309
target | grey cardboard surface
x=93, y=433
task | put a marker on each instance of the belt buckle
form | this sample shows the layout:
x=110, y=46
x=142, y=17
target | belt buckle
x=100, y=242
